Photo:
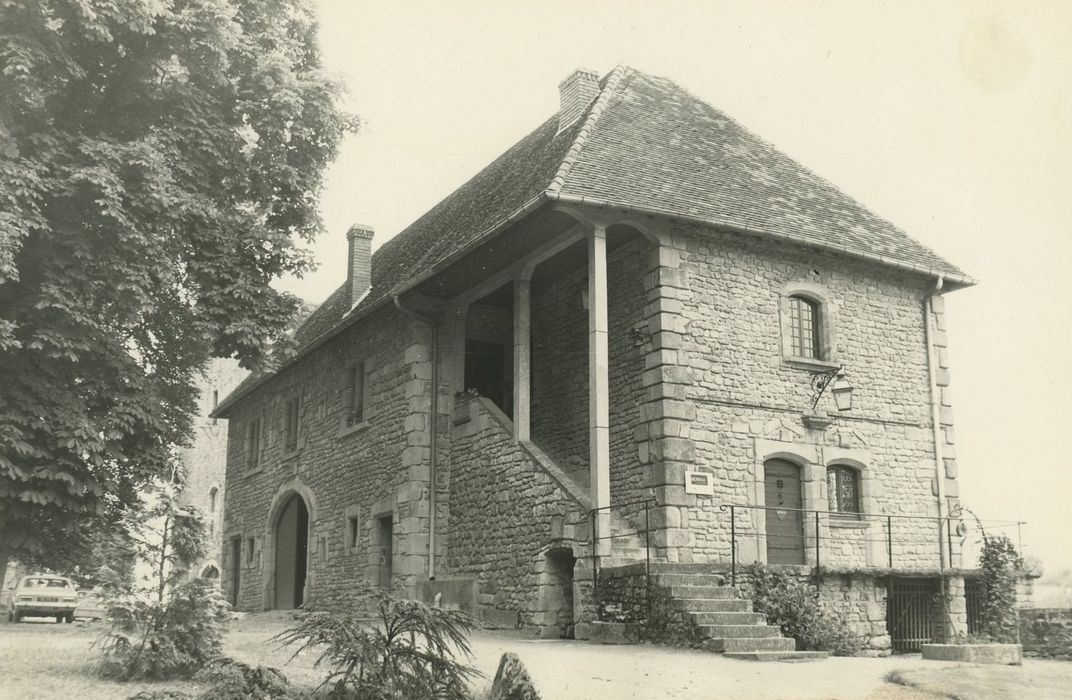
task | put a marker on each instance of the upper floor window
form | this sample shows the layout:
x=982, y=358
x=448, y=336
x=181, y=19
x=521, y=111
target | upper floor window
x=808, y=316
x=355, y=395
x=253, y=443
x=804, y=323
x=843, y=489
x=212, y=494
x=291, y=422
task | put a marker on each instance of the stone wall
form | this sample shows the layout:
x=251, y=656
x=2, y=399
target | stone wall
x=506, y=515
x=205, y=460
x=560, y=370
x=378, y=467
x=723, y=397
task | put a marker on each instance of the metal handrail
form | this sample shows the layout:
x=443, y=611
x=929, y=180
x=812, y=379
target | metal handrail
x=595, y=537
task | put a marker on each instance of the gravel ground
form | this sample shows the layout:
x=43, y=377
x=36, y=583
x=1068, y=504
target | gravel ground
x=46, y=660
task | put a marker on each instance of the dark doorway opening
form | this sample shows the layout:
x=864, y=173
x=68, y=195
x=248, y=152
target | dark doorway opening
x=387, y=555
x=291, y=554
x=557, y=594
x=784, y=519
x=912, y=613
x=236, y=570
x=488, y=369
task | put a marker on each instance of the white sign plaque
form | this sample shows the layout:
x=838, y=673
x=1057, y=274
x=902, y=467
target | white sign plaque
x=699, y=483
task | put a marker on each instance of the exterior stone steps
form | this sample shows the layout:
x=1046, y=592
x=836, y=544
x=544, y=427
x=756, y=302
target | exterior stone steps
x=753, y=631
x=713, y=605
x=777, y=655
x=702, y=591
x=662, y=579
x=749, y=644
x=727, y=618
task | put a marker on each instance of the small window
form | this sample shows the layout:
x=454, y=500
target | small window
x=355, y=395
x=290, y=434
x=253, y=443
x=212, y=494
x=843, y=489
x=352, y=532
x=804, y=320
x=249, y=550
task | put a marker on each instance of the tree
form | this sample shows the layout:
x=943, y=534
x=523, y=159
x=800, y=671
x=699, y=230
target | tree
x=162, y=627
x=160, y=164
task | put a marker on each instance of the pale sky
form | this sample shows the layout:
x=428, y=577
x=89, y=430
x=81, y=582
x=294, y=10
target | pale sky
x=952, y=119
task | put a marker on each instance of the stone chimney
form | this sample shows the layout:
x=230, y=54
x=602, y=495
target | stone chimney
x=359, y=270
x=575, y=93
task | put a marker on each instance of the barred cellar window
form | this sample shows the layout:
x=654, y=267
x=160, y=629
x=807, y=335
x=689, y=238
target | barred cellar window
x=843, y=489
x=804, y=320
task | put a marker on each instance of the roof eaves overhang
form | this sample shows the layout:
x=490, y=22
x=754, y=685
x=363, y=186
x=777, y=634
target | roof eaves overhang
x=950, y=278
x=357, y=314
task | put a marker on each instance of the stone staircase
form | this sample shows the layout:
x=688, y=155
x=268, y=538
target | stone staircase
x=725, y=619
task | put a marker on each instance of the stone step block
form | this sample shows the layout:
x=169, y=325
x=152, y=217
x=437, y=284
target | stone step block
x=689, y=580
x=722, y=605
x=751, y=644
x=685, y=591
x=740, y=631
x=777, y=655
x=692, y=568
x=726, y=618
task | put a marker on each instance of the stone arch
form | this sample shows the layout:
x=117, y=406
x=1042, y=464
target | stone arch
x=283, y=495
x=210, y=571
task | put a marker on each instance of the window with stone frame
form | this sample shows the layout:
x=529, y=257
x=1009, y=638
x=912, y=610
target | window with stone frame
x=355, y=399
x=353, y=533
x=291, y=424
x=253, y=443
x=805, y=317
x=843, y=490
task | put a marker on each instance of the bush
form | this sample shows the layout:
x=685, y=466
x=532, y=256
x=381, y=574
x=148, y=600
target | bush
x=410, y=653
x=163, y=639
x=791, y=605
x=228, y=679
x=1000, y=564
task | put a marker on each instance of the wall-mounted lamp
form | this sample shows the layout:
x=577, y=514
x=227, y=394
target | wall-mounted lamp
x=640, y=334
x=841, y=388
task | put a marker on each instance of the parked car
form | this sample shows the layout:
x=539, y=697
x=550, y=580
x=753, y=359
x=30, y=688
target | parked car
x=90, y=605
x=43, y=595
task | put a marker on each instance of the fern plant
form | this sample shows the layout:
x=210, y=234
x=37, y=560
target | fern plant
x=408, y=651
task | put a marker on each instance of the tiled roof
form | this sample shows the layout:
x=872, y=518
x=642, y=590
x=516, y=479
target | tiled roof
x=645, y=144
x=658, y=148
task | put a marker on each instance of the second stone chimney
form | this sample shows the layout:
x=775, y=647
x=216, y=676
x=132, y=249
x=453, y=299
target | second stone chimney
x=575, y=93
x=359, y=269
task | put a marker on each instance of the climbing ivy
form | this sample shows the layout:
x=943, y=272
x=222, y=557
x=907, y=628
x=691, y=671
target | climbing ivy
x=1001, y=565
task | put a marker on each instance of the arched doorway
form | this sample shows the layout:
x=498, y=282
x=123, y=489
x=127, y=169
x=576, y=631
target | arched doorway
x=291, y=554
x=784, y=519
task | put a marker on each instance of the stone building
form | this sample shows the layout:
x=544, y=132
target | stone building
x=204, y=461
x=605, y=350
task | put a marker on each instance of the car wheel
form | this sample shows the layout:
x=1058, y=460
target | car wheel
x=69, y=618
x=16, y=616
x=10, y=615
x=59, y=619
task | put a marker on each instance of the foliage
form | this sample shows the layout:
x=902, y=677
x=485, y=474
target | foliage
x=228, y=679
x=668, y=625
x=412, y=652
x=160, y=627
x=792, y=605
x=160, y=162
x=1000, y=565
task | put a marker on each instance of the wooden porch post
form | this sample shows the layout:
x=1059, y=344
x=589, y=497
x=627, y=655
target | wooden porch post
x=598, y=385
x=522, y=357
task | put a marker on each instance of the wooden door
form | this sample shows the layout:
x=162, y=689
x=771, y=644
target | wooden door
x=785, y=528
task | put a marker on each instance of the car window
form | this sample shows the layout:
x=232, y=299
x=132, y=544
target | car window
x=56, y=583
